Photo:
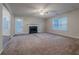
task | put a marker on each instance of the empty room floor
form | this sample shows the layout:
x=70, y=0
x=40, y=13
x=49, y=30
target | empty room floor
x=41, y=44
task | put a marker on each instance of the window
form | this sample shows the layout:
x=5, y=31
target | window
x=6, y=25
x=60, y=23
x=19, y=25
x=6, y=21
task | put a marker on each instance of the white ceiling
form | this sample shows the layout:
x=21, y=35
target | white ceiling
x=32, y=9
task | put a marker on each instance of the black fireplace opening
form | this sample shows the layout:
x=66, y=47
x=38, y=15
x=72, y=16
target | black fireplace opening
x=32, y=29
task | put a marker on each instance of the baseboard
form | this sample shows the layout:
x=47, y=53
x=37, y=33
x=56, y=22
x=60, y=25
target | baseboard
x=65, y=36
x=1, y=51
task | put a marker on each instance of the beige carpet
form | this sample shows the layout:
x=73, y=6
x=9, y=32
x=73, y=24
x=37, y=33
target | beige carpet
x=41, y=44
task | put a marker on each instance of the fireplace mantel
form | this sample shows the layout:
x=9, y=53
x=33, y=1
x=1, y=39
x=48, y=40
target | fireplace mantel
x=32, y=24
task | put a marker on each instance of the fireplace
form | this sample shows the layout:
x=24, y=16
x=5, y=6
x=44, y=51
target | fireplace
x=32, y=29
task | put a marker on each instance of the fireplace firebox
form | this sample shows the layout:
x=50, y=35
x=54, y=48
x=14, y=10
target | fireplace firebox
x=32, y=29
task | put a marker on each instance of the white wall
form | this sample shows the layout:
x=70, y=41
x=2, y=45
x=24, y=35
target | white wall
x=8, y=12
x=73, y=24
x=30, y=21
x=12, y=26
x=1, y=18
